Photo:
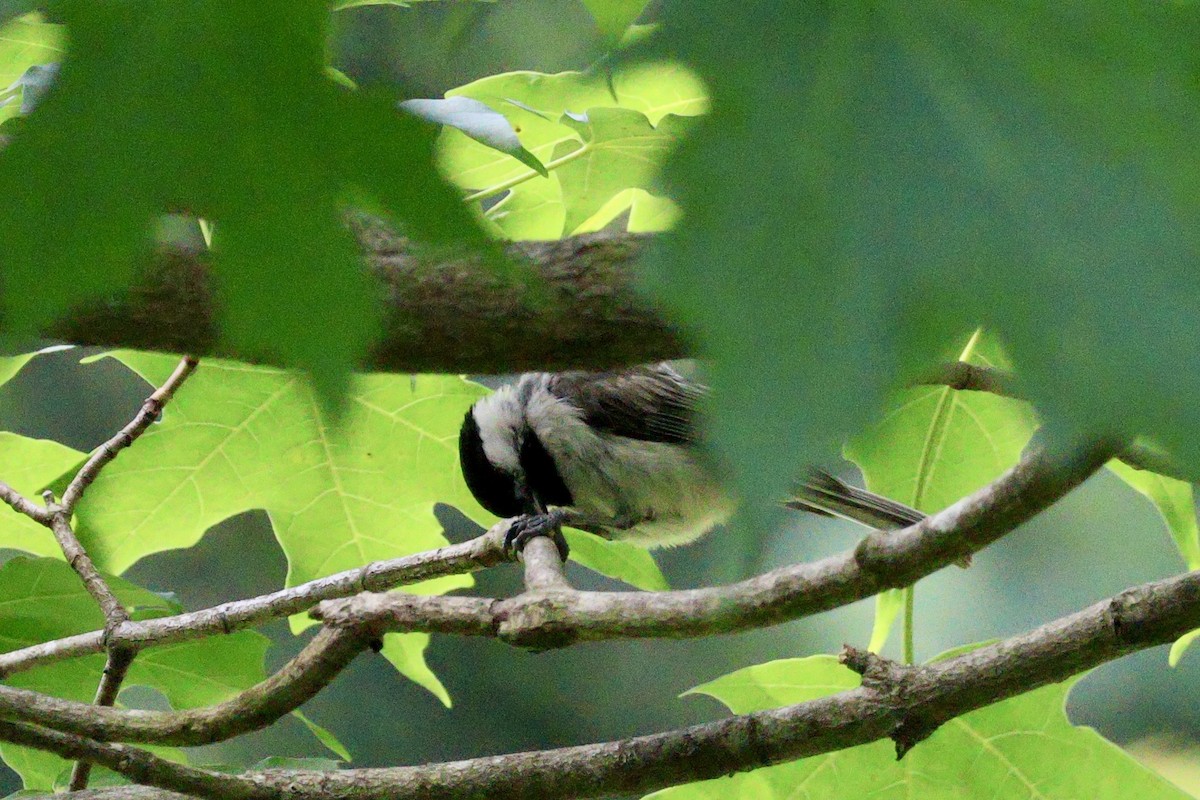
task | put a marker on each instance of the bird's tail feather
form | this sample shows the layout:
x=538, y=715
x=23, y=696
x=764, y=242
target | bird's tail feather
x=824, y=494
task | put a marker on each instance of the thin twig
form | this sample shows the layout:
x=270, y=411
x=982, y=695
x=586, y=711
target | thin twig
x=478, y=553
x=150, y=411
x=321, y=660
x=973, y=378
x=904, y=703
x=23, y=505
x=115, y=669
x=60, y=523
x=882, y=560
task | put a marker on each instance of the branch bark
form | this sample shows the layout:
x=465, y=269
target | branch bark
x=479, y=553
x=551, y=614
x=882, y=560
x=443, y=312
x=905, y=703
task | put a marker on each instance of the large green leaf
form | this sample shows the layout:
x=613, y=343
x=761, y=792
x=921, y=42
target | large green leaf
x=238, y=437
x=222, y=108
x=1017, y=749
x=536, y=105
x=30, y=466
x=43, y=599
x=621, y=150
x=25, y=42
x=935, y=445
x=877, y=176
x=1175, y=500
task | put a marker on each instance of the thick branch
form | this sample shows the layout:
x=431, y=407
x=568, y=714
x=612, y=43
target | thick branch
x=479, y=553
x=444, y=313
x=894, y=701
x=553, y=615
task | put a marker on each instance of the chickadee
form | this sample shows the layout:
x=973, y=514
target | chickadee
x=617, y=454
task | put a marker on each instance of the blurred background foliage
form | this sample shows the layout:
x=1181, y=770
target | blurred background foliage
x=1100, y=540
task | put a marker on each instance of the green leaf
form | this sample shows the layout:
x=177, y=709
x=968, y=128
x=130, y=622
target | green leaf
x=30, y=466
x=535, y=105
x=935, y=445
x=325, y=737
x=620, y=560
x=11, y=365
x=614, y=16
x=252, y=136
x=888, y=605
x=877, y=176
x=478, y=121
x=25, y=42
x=238, y=437
x=1180, y=646
x=406, y=652
x=43, y=599
x=621, y=150
x=1018, y=748
x=1175, y=502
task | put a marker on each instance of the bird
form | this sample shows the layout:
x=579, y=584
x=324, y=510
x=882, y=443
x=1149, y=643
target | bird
x=619, y=453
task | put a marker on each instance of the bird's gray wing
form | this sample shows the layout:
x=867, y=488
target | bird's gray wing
x=653, y=403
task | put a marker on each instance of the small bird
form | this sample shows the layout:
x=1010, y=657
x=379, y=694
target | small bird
x=618, y=454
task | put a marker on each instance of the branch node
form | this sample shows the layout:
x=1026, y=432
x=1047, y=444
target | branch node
x=893, y=683
x=538, y=621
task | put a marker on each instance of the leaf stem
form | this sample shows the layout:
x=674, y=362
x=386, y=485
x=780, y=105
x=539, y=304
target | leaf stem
x=909, y=602
x=504, y=186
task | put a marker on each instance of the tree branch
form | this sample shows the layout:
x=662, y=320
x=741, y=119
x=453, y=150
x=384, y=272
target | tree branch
x=321, y=660
x=882, y=560
x=551, y=614
x=116, y=667
x=443, y=312
x=81, y=562
x=905, y=703
x=479, y=553
x=142, y=420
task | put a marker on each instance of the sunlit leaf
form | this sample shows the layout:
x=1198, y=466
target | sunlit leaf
x=30, y=466
x=24, y=43
x=238, y=437
x=620, y=560
x=935, y=445
x=614, y=16
x=536, y=104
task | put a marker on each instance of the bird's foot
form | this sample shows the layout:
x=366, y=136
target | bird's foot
x=527, y=527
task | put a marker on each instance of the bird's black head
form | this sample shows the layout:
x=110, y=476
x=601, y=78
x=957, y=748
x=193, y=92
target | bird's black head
x=496, y=489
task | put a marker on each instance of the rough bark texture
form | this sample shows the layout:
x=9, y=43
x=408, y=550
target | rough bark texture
x=443, y=312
